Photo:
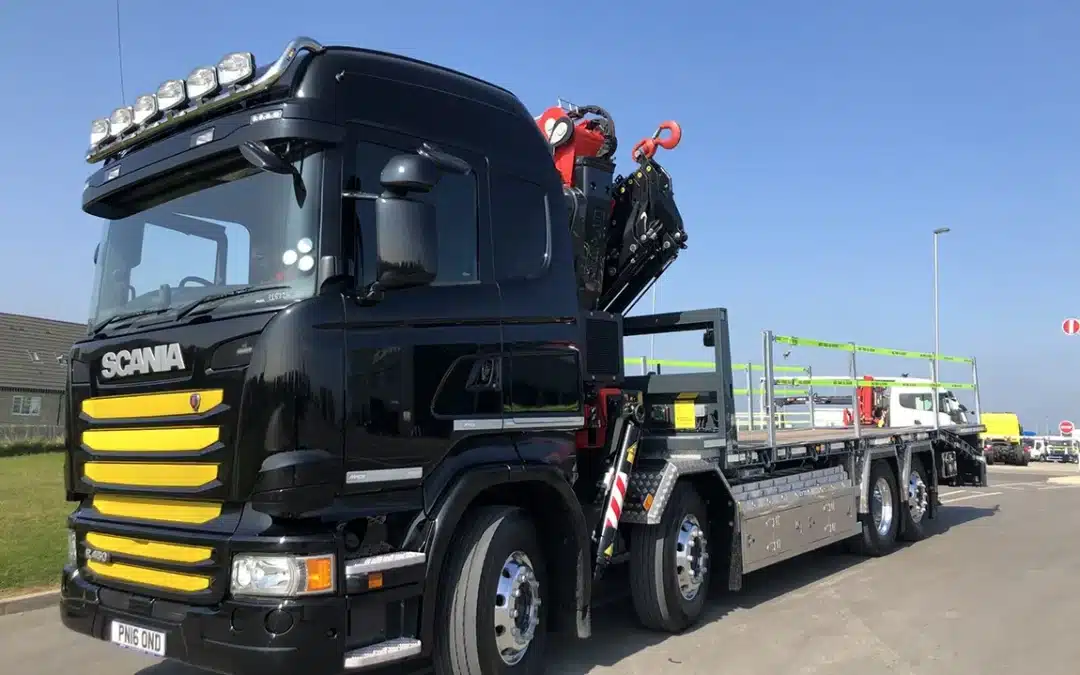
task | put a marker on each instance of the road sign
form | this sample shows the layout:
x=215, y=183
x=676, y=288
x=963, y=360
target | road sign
x=1070, y=326
x=1066, y=427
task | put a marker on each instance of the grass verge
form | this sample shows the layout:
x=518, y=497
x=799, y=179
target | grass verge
x=33, y=512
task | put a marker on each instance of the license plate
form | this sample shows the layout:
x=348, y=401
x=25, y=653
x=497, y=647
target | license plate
x=140, y=639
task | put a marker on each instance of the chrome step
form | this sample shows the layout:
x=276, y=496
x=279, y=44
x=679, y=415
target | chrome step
x=382, y=653
x=384, y=562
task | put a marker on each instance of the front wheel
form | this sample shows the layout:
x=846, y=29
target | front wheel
x=491, y=604
x=669, y=564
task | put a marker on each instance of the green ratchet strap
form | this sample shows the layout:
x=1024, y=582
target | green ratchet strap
x=708, y=365
x=849, y=382
x=863, y=349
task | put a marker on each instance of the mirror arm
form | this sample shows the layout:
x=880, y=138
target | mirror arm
x=444, y=160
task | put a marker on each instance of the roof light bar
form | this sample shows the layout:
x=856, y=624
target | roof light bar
x=205, y=90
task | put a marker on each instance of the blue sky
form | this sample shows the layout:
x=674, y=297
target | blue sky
x=823, y=142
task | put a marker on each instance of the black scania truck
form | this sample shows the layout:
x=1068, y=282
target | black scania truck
x=352, y=396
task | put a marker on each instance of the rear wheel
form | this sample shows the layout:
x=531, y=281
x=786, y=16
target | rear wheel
x=669, y=564
x=915, y=514
x=492, y=598
x=880, y=528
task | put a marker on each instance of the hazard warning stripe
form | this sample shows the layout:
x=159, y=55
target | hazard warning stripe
x=614, y=511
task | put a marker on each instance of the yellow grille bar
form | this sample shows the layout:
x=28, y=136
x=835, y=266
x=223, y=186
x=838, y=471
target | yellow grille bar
x=166, y=404
x=162, y=510
x=161, y=439
x=145, y=474
x=174, y=581
x=152, y=550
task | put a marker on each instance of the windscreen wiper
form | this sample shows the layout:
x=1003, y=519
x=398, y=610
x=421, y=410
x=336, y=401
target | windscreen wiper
x=214, y=297
x=127, y=315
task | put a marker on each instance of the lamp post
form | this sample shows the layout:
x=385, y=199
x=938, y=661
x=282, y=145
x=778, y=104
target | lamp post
x=937, y=334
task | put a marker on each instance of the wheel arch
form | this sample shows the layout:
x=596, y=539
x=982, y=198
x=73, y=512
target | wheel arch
x=541, y=491
x=711, y=485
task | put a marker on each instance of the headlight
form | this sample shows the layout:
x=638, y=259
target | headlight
x=170, y=94
x=121, y=120
x=73, y=549
x=202, y=82
x=146, y=108
x=282, y=575
x=235, y=68
x=99, y=131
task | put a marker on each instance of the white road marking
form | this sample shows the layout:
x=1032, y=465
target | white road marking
x=977, y=494
x=951, y=492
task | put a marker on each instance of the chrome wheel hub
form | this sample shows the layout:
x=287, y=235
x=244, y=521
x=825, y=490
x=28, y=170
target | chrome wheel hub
x=517, y=608
x=881, y=506
x=918, y=497
x=691, y=557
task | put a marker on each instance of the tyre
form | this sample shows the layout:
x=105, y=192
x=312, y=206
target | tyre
x=914, y=516
x=669, y=564
x=492, y=618
x=879, y=531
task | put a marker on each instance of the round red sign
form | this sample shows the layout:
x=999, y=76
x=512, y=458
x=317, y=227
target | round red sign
x=1066, y=427
x=1070, y=326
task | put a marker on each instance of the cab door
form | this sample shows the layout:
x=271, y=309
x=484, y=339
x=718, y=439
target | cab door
x=423, y=365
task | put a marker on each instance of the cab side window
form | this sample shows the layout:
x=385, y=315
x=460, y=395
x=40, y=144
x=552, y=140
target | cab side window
x=522, y=218
x=922, y=402
x=454, y=198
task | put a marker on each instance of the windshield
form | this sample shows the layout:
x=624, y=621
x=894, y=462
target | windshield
x=947, y=403
x=225, y=227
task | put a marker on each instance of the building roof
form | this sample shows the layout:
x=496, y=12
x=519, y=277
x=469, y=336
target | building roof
x=30, y=351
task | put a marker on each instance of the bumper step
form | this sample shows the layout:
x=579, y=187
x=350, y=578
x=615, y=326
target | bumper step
x=382, y=653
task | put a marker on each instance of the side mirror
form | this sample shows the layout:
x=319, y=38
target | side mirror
x=407, y=245
x=410, y=173
x=407, y=242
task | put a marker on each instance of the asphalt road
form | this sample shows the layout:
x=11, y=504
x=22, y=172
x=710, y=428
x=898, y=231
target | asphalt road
x=993, y=591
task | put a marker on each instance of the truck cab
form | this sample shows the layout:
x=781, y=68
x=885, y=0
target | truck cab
x=912, y=405
x=341, y=300
x=1002, y=438
x=309, y=290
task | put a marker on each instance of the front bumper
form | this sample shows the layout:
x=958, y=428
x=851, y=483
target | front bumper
x=306, y=636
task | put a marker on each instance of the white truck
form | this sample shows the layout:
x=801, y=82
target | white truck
x=889, y=401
